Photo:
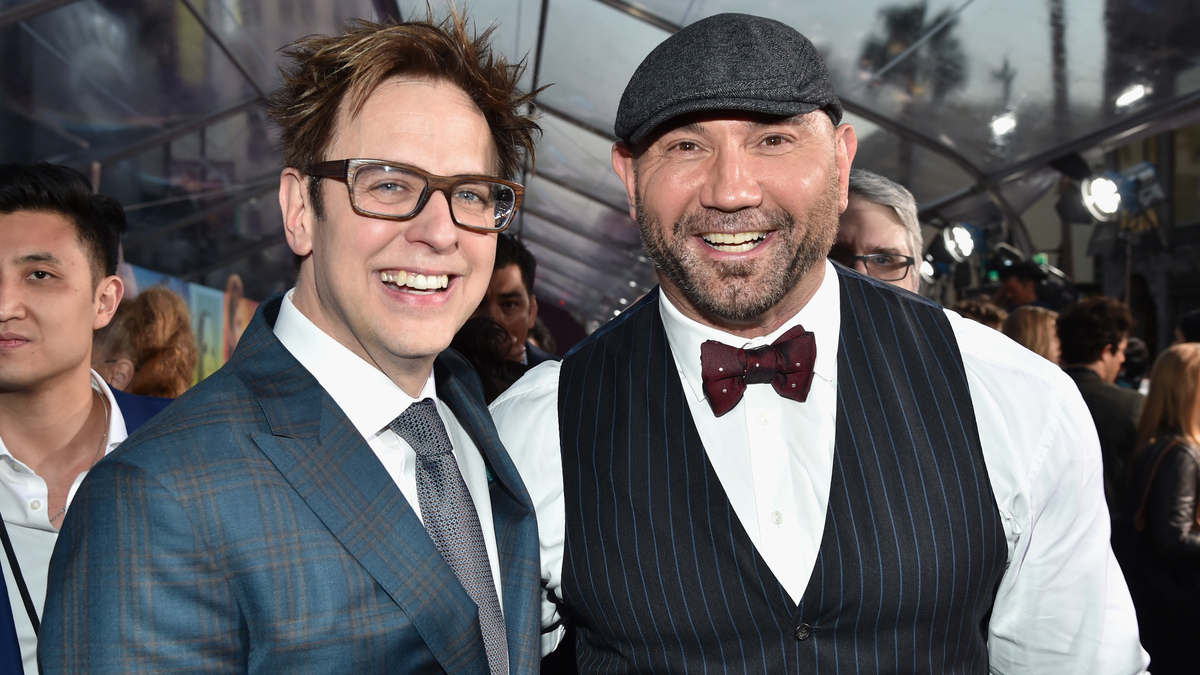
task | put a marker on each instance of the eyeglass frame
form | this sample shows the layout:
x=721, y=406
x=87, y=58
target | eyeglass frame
x=910, y=261
x=345, y=170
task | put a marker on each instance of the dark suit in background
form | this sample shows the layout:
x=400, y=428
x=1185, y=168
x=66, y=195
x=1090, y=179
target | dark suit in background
x=1116, y=411
x=260, y=502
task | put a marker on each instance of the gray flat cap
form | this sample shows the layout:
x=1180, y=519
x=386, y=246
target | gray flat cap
x=726, y=62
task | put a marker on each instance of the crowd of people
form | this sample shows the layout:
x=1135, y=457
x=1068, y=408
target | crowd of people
x=783, y=459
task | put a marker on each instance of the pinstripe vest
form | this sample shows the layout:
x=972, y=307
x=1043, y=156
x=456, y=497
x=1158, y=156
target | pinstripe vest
x=659, y=574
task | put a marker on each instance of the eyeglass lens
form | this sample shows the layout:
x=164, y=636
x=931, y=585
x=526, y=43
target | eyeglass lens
x=886, y=267
x=392, y=191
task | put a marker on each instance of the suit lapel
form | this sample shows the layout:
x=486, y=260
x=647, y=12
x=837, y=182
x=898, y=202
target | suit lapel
x=331, y=467
x=512, y=512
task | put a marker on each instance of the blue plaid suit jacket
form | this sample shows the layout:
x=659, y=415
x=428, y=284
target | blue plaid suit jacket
x=249, y=528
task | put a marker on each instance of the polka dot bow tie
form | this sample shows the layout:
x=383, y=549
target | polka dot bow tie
x=786, y=363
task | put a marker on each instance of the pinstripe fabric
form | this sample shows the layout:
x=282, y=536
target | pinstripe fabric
x=249, y=528
x=661, y=577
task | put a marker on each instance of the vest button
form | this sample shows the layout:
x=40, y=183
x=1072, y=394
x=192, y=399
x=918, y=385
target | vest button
x=803, y=632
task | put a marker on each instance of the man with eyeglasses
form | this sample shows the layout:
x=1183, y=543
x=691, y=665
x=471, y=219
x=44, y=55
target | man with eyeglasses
x=878, y=233
x=335, y=499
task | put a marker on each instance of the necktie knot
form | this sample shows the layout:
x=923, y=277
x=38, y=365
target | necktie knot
x=421, y=427
x=787, y=364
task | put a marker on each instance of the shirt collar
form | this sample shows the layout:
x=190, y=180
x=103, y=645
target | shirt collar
x=369, y=399
x=117, y=431
x=821, y=316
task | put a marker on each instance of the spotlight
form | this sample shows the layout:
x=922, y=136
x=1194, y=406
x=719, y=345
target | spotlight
x=1101, y=197
x=1131, y=95
x=1003, y=124
x=1131, y=191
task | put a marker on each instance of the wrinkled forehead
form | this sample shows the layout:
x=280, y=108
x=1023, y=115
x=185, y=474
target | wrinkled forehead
x=815, y=122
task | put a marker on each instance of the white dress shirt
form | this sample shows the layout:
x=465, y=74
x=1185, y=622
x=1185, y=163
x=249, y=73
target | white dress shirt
x=1062, y=605
x=23, y=501
x=370, y=400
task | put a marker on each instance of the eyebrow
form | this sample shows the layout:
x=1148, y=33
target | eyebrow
x=39, y=258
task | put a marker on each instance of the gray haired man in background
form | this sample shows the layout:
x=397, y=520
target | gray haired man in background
x=879, y=234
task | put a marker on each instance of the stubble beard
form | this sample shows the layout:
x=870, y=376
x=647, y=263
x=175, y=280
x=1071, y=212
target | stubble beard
x=741, y=291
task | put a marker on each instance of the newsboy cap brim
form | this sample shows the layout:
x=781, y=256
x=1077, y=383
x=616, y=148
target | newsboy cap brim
x=733, y=62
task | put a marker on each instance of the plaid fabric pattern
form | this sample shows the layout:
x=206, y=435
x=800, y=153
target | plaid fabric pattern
x=250, y=529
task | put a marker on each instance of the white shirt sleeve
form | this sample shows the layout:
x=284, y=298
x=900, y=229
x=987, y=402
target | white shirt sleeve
x=527, y=419
x=1062, y=605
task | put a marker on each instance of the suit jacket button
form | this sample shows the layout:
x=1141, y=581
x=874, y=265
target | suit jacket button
x=803, y=632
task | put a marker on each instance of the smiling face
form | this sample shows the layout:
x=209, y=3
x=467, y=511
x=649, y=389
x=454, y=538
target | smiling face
x=738, y=214
x=49, y=302
x=395, y=292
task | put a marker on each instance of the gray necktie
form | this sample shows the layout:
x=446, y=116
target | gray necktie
x=452, y=522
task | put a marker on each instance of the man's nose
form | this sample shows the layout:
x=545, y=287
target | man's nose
x=11, y=305
x=731, y=184
x=434, y=225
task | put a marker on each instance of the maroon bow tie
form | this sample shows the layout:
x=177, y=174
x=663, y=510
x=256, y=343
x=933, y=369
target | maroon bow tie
x=786, y=363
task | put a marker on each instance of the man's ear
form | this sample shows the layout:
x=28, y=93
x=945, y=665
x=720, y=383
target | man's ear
x=622, y=163
x=532, y=310
x=120, y=374
x=108, y=295
x=297, y=214
x=847, y=147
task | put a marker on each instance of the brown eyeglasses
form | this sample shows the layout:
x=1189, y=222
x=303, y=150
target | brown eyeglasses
x=381, y=189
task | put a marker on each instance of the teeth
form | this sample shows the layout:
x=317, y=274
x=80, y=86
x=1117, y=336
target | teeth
x=418, y=282
x=734, y=242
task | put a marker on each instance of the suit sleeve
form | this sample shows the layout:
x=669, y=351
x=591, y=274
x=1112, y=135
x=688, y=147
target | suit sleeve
x=131, y=589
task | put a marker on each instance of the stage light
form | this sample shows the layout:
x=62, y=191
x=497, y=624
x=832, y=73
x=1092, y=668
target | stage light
x=1004, y=124
x=1101, y=197
x=1131, y=95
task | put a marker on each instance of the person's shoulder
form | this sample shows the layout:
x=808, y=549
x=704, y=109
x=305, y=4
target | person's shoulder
x=538, y=385
x=207, y=420
x=1004, y=368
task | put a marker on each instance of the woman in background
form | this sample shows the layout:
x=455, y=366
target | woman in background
x=148, y=347
x=1163, y=567
x=1034, y=328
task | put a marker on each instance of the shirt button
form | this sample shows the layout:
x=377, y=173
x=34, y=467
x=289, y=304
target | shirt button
x=776, y=517
x=803, y=632
x=764, y=419
x=35, y=505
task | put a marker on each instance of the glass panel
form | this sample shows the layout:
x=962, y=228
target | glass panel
x=1186, y=191
x=254, y=30
x=1002, y=81
x=516, y=23
x=580, y=159
x=605, y=276
x=590, y=74
x=586, y=216
x=925, y=173
x=100, y=74
x=200, y=168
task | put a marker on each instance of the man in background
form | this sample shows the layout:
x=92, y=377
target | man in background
x=59, y=250
x=878, y=233
x=510, y=301
x=1093, y=334
x=1019, y=283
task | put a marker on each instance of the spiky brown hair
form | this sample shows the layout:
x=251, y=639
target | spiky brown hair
x=326, y=70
